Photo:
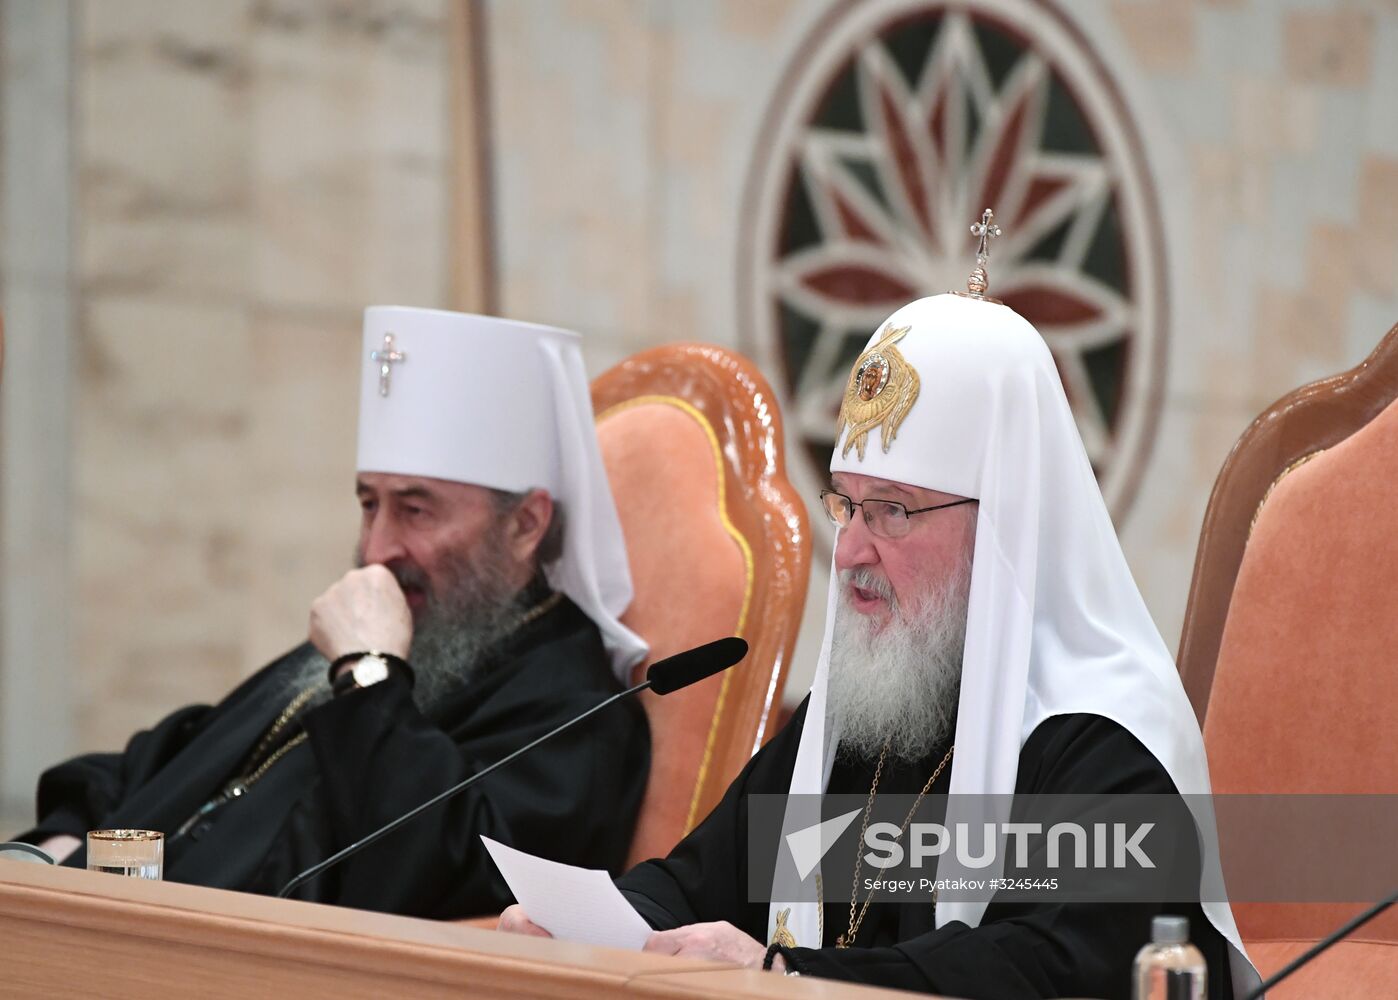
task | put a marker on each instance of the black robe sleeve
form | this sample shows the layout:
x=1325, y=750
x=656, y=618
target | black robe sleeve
x=705, y=877
x=75, y=796
x=573, y=799
x=85, y=793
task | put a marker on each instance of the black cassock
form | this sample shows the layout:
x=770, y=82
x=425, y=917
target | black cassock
x=1019, y=950
x=370, y=756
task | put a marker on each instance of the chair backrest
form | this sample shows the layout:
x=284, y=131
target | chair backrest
x=1294, y=666
x=1288, y=434
x=719, y=545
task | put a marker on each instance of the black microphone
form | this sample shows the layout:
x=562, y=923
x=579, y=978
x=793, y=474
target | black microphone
x=664, y=677
x=1321, y=946
x=684, y=669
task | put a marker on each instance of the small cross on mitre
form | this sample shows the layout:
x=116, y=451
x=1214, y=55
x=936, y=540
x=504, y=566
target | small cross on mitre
x=385, y=357
x=985, y=230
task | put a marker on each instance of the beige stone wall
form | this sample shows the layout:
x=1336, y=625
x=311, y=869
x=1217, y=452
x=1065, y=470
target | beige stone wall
x=35, y=481
x=249, y=175
x=1274, y=131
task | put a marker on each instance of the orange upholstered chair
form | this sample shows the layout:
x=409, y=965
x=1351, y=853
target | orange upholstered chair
x=719, y=545
x=1290, y=645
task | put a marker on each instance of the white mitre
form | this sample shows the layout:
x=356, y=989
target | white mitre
x=503, y=404
x=961, y=395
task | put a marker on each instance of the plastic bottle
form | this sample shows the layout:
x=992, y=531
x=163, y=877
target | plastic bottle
x=1169, y=968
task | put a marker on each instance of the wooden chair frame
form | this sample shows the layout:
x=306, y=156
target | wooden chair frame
x=763, y=513
x=1297, y=427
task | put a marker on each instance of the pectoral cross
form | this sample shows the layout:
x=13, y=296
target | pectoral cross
x=385, y=358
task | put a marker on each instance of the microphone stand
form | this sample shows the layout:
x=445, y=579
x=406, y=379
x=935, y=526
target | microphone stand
x=364, y=842
x=1312, y=952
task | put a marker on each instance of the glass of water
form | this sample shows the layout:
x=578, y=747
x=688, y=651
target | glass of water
x=133, y=853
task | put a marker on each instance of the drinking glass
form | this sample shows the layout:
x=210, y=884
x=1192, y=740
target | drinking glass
x=133, y=853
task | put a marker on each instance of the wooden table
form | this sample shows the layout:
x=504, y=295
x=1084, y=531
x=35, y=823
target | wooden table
x=65, y=932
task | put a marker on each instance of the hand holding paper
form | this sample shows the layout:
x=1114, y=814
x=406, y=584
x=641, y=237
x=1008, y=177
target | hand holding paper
x=572, y=904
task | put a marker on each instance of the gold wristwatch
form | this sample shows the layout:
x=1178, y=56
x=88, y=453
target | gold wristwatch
x=367, y=669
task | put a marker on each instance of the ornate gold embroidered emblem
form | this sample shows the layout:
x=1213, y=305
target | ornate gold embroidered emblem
x=782, y=935
x=882, y=389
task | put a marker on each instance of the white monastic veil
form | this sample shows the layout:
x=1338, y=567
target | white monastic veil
x=503, y=404
x=1055, y=623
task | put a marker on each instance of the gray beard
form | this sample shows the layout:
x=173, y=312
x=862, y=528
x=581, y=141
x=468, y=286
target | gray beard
x=456, y=633
x=898, y=685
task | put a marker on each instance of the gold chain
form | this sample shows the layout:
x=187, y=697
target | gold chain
x=288, y=713
x=538, y=610
x=295, y=741
x=847, y=939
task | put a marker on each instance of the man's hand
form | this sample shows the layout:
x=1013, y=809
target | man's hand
x=718, y=942
x=60, y=845
x=364, y=610
x=514, y=921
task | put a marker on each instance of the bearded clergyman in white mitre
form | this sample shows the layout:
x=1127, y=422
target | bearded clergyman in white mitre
x=984, y=637
x=484, y=610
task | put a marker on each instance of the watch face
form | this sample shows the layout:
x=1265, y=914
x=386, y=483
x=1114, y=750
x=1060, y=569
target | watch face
x=370, y=670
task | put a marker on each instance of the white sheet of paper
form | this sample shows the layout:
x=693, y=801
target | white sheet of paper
x=571, y=903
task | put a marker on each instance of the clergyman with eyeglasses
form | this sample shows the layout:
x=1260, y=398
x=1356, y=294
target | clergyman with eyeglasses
x=984, y=637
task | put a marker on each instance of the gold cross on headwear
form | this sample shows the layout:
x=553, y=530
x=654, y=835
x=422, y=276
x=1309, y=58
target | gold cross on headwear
x=986, y=230
x=385, y=357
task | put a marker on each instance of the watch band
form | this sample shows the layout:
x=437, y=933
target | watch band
x=346, y=682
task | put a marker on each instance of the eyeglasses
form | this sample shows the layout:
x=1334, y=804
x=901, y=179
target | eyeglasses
x=885, y=518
